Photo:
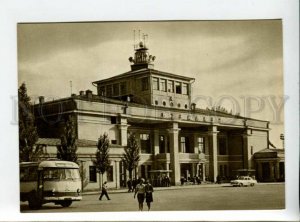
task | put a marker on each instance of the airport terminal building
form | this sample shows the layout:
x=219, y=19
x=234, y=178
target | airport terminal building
x=174, y=136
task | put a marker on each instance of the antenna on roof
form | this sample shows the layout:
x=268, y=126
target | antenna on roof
x=145, y=38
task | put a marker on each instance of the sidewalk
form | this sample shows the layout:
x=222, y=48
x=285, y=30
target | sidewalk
x=189, y=186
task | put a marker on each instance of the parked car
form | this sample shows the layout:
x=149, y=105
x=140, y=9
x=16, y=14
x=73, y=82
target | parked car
x=243, y=181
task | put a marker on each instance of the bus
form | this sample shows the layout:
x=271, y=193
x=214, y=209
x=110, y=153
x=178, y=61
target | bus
x=48, y=181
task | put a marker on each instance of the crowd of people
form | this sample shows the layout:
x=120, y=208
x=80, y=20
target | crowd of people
x=142, y=190
x=194, y=180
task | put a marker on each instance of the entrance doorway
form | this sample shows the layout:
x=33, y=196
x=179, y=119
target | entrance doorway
x=186, y=171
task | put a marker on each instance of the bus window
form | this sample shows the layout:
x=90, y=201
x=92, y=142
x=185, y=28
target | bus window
x=61, y=174
x=28, y=174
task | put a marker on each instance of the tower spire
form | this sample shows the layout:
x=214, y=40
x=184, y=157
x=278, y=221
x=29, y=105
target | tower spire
x=141, y=59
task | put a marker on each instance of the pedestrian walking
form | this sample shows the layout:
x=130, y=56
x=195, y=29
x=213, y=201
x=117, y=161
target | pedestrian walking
x=149, y=196
x=134, y=182
x=140, y=191
x=129, y=184
x=104, y=191
x=182, y=181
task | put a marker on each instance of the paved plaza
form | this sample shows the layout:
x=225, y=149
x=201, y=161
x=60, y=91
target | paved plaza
x=197, y=197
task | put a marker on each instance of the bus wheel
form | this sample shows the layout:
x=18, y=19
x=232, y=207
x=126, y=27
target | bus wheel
x=33, y=202
x=66, y=203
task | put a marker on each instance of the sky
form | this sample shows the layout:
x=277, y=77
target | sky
x=236, y=64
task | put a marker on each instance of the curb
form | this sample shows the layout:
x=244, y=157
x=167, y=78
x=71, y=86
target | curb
x=176, y=188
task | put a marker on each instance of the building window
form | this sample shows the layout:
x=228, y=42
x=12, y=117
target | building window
x=116, y=89
x=145, y=143
x=93, y=174
x=123, y=88
x=251, y=150
x=170, y=86
x=161, y=144
x=164, y=103
x=156, y=102
x=145, y=85
x=113, y=120
x=155, y=83
x=101, y=90
x=222, y=146
x=171, y=104
x=178, y=105
x=201, y=145
x=184, y=144
x=163, y=86
x=184, y=89
x=113, y=141
x=185, y=106
x=110, y=174
x=109, y=90
x=178, y=87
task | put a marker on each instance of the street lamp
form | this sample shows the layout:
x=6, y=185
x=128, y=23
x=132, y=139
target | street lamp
x=282, y=138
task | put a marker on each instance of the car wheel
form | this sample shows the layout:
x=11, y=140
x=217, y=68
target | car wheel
x=34, y=202
x=251, y=184
x=66, y=203
x=241, y=184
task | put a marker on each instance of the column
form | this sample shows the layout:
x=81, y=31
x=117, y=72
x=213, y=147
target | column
x=123, y=131
x=271, y=164
x=203, y=172
x=167, y=168
x=117, y=174
x=246, y=150
x=196, y=148
x=174, y=157
x=193, y=170
x=213, y=153
x=277, y=176
x=156, y=141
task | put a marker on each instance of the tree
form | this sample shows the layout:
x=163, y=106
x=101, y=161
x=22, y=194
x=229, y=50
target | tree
x=131, y=157
x=102, y=161
x=68, y=144
x=28, y=135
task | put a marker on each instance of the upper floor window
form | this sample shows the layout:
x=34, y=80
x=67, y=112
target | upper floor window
x=123, y=88
x=178, y=87
x=145, y=143
x=109, y=90
x=222, y=145
x=116, y=89
x=183, y=144
x=161, y=144
x=201, y=145
x=185, y=89
x=101, y=90
x=155, y=83
x=145, y=85
x=163, y=86
x=170, y=86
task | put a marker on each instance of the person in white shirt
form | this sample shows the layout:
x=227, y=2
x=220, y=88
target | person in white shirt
x=104, y=191
x=140, y=191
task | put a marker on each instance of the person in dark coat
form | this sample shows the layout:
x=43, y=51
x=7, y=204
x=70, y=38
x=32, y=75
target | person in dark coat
x=129, y=184
x=134, y=183
x=104, y=191
x=149, y=196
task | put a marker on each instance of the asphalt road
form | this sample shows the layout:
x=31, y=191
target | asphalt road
x=221, y=197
